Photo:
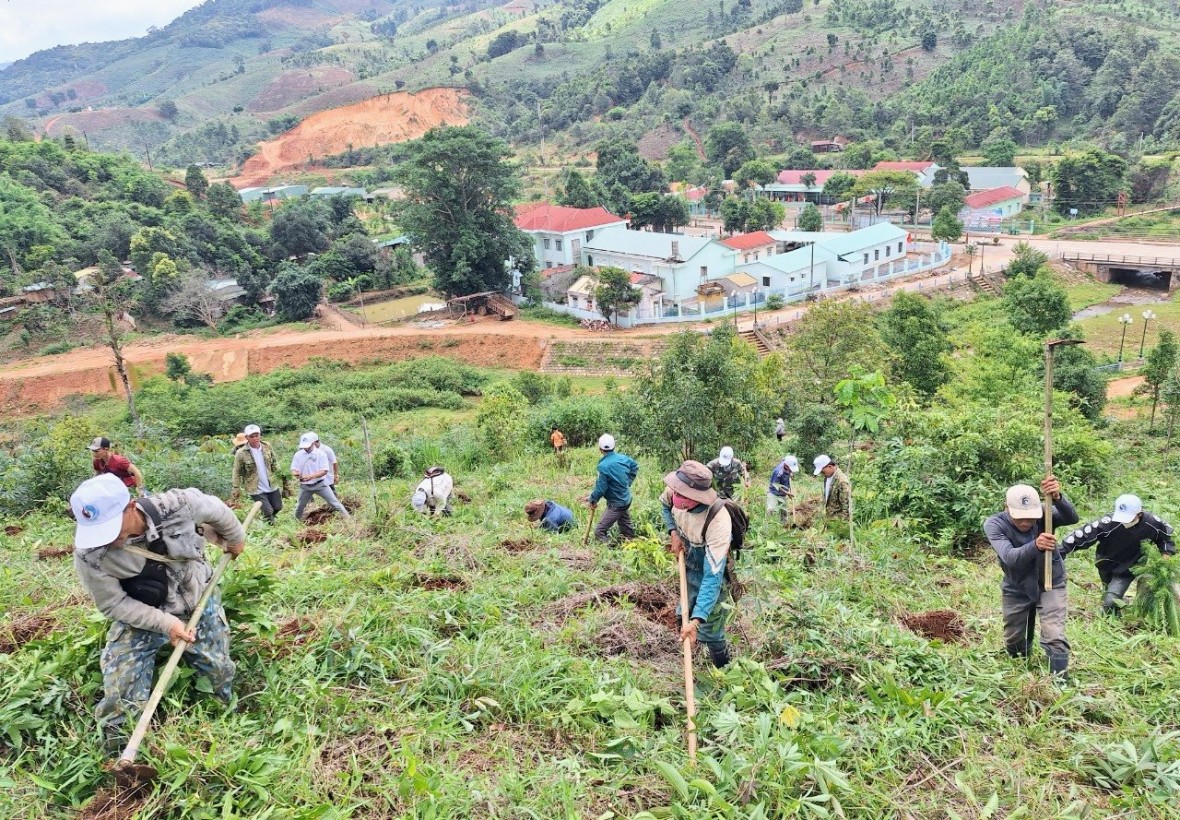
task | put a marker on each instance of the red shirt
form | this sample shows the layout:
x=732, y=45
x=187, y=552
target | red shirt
x=118, y=466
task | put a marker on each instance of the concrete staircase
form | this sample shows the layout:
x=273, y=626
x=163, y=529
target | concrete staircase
x=759, y=340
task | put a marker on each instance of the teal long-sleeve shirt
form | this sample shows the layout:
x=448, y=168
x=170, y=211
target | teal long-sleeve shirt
x=615, y=474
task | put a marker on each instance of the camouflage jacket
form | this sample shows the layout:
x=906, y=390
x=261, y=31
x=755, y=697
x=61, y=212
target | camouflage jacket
x=726, y=478
x=837, y=502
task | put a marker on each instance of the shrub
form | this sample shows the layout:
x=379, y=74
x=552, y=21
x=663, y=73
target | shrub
x=582, y=419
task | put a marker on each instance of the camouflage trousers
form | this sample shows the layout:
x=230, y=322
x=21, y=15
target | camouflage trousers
x=129, y=659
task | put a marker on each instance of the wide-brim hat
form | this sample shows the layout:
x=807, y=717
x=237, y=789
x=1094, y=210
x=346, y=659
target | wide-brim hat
x=239, y=439
x=535, y=509
x=692, y=480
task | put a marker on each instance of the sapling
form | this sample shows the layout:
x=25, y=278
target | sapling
x=868, y=401
x=1158, y=598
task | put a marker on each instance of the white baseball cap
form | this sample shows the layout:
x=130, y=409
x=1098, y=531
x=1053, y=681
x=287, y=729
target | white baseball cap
x=1126, y=507
x=1023, y=502
x=251, y=429
x=606, y=442
x=307, y=439
x=98, y=506
x=792, y=463
x=726, y=457
x=821, y=462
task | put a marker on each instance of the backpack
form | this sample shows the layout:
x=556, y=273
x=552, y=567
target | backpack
x=739, y=520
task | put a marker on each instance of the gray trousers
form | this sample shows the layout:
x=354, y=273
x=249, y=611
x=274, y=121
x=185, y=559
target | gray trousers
x=324, y=490
x=1020, y=626
x=1116, y=589
x=272, y=503
x=610, y=517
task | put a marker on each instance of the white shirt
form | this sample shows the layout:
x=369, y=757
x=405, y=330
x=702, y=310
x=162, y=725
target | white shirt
x=828, y=486
x=437, y=489
x=308, y=464
x=260, y=465
x=331, y=454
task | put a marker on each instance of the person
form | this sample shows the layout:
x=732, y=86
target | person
x=780, y=428
x=333, y=477
x=143, y=564
x=1120, y=538
x=1018, y=536
x=311, y=467
x=105, y=461
x=727, y=471
x=616, y=472
x=256, y=470
x=837, y=489
x=550, y=514
x=779, y=491
x=239, y=442
x=558, y=440
x=433, y=493
x=686, y=505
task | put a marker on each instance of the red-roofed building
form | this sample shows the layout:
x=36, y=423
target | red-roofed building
x=751, y=246
x=559, y=231
x=790, y=185
x=923, y=169
x=987, y=209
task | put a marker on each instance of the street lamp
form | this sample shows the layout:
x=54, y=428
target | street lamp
x=1124, y=320
x=1147, y=317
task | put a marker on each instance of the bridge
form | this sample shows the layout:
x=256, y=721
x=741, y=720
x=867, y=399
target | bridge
x=1156, y=272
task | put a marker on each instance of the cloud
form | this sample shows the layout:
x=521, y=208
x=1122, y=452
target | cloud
x=31, y=25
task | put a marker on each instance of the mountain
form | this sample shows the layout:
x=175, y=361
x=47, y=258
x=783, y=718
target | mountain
x=230, y=73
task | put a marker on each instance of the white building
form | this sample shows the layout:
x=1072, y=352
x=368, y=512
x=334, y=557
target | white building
x=987, y=178
x=559, y=232
x=681, y=262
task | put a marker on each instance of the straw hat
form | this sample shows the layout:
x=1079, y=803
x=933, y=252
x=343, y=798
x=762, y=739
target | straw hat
x=692, y=480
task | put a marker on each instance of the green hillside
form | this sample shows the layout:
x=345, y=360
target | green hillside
x=903, y=71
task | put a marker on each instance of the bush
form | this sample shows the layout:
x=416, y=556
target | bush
x=774, y=301
x=534, y=386
x=582, y=418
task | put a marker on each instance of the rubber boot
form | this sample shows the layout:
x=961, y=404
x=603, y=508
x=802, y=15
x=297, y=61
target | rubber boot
x=1059, y=665
x=1018, y=650
x=719, y=654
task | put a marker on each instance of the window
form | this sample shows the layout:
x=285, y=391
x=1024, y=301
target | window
x=589, y=261
x=545, y=243
x=876, y=254
x=888, y=248
x=866, y=259
x=557, y=244
x=589, y=235
x=899, y=247
x=765, y=281
x=704, y=271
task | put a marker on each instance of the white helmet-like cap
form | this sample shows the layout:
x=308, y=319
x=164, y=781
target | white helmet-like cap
x=1126, y=507
x=820, y=462
x=792, y=463
x=606, y=442
x=726, y=457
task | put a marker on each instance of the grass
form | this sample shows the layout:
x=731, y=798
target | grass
x=1083, y=295
x=437, y=668
x=1104, y=332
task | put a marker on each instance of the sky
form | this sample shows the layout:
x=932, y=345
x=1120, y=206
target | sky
x=31, y=25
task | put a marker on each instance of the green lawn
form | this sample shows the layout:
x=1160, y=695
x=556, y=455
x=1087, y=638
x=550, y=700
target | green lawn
x=1104, y=332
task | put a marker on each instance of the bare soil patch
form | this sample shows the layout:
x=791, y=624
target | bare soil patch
x=439, y=582
x=322, y=514
x=577, y=559
x=293, y=635
x=46, y=553
x=518, y=545
x=655, y=602
x=19, y=631
x=937, y=624
x=115, y=804
x=13, y=530
x=309, y=536
x=636, y=636
x=292, y=86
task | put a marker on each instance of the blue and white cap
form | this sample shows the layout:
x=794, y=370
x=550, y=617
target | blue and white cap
x=1126, y=507
x=98, y=506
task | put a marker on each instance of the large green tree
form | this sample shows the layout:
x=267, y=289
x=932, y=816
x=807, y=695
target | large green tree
x=614, y=292
x=830, y=338
x=1087, y=182
x=810, y=219
x=1036, y=305
x=887, y=188
x=727, y=144
x=917, y=342
x=459, y=189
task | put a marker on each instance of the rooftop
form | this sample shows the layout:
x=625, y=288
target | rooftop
x=648, y=244
x=994, y=196
x=794, y=176
x=748, y=241
x=542, y=216
x=906, y=165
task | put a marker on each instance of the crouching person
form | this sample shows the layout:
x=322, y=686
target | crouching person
x=1018, y=536
x=551, y=515
x=143, y=562
x=686, y=505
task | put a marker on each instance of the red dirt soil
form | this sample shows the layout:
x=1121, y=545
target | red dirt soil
x=292, y=86
x=389, y=118
x=941, y=624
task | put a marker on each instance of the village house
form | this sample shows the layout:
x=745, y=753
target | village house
x=680, y=262
x=924, y=170
x=814, y=261
x=987, y=178
x=988, y=209
x=751, y=246
x=792, y=185
x=559, y=232
x=265, y=194
x=328, y=191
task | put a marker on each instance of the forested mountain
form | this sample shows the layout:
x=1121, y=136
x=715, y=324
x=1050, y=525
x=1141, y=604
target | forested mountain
x=908, y=72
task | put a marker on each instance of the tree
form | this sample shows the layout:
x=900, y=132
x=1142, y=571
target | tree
x=947, y=226
x=168, y=110
x=193, y=298
x=808, y=179
x=1088, y=182
x=810, y=219
x=459, y=191
x=195, y=182
x=296, y=292
x=501, y=418
x=504, y=43
x=945, y=195
x=1037, y=306
x=1161, y=361
x=755, y=172
x=224, y=201
x=830, y=338
x=614, y=292
x=298, y=229
x=110, y=294
x=887, y=188
x=703, y=392
x=917, y=341
x=728, y=145
x=735, y=214
x=575, y=191
x=619, y=163
x=662, y=212
x=1074, y=373
x=1000, y=153
x=839, y=185
x=683, y=163
x=1026, y=261
x=765, y=215
x=929, y=40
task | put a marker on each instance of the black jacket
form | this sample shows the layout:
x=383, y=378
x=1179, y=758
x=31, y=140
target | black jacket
x=1019, y=557
x=1120, y=547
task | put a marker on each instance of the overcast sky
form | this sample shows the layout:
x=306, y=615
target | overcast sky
x=31, y=25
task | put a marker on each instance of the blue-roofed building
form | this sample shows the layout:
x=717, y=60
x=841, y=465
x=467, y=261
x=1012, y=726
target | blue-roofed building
x=264, y=192
x=325, y=191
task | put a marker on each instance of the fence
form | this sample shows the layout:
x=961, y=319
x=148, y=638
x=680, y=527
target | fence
x=698, y=308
